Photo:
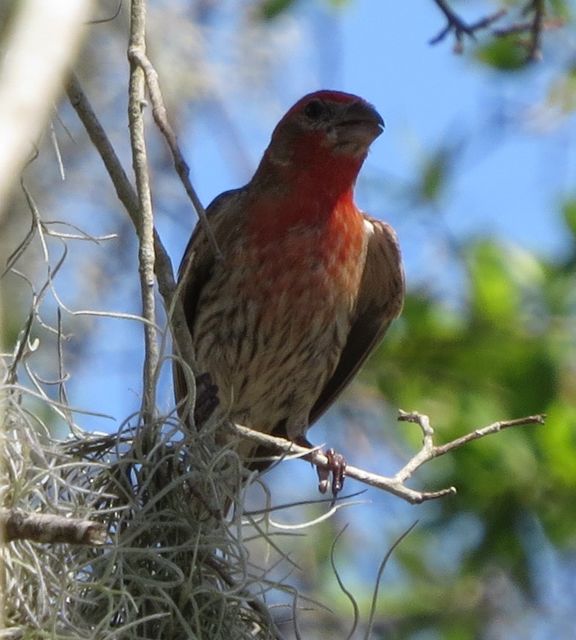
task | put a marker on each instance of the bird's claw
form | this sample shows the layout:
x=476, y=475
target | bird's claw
x=336, y=468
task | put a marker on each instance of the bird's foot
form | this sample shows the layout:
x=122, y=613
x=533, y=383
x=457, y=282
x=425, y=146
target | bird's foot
x=331, y=476
x=206, y=399
x=336, y=469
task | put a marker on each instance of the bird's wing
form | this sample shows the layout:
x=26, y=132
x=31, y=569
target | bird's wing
x=199, y=256
x=379, y=301
x=199, y=260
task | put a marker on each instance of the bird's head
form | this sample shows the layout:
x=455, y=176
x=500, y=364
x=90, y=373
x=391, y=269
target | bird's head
x=325, y=135
x=340, y=123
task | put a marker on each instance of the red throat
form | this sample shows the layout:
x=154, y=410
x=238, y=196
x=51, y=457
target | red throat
x=316, y=195
x=306, y=238
x=306, y=259
x=272, y=220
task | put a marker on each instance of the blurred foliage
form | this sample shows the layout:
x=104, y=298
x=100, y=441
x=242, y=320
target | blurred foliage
x=504, y=54
x=270, y=9
x=434, y=174
x=562, y=93
x=510, y=353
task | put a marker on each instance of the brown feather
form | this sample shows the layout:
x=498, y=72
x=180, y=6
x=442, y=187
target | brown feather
x=197, y=266
x=380, y=300
x=308, y=284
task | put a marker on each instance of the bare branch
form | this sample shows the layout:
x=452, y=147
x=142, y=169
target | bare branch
x=181, y=166
x=533, y=26
x=440, y=450
x=535, y=50
x=395, y=484
x=461, y=28
x=124, y=189
x=145, y=229
x=128, y=197
x=430, y=450
x=131, y=200
x=49, y=528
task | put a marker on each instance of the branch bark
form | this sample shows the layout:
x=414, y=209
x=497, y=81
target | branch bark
x=49, y=528
x=145, y=228
x=396, y=483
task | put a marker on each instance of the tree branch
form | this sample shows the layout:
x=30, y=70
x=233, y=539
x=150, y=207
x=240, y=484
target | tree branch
x=124, y=189
x=49, y=528
x=535, y=49
x=181, y=166
x=534, y=26
x=129, y=199
x=395, y=484
x=461, y=28
x=145, y=228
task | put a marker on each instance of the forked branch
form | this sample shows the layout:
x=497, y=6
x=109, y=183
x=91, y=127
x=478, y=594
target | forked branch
x=393, y=484
x=532, y=24
x=460, y=28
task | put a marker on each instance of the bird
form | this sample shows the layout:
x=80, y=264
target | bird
x=305, y=284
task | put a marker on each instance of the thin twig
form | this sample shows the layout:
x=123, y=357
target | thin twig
x=124, y=189
x=533, y=26
x=395, y=484
x=535, y=49
x=381, y=568
x=145, y=229
x=461, y=28
x=181, y=166
x=128, y=197
x=430, y=450
x=347, y=593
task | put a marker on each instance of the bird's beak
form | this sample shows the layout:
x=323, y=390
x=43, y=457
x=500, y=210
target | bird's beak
x=357, y=126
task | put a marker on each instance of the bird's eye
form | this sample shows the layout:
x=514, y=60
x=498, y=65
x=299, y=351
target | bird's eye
x=314, y=110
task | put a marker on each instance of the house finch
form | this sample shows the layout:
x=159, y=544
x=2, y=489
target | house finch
x=307, y=284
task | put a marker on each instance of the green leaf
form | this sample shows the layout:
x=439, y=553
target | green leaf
x=504, y=54
x=271, y=9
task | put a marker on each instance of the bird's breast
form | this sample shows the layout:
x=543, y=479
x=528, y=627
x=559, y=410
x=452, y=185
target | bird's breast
x=307, y=265
x=276, y=336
